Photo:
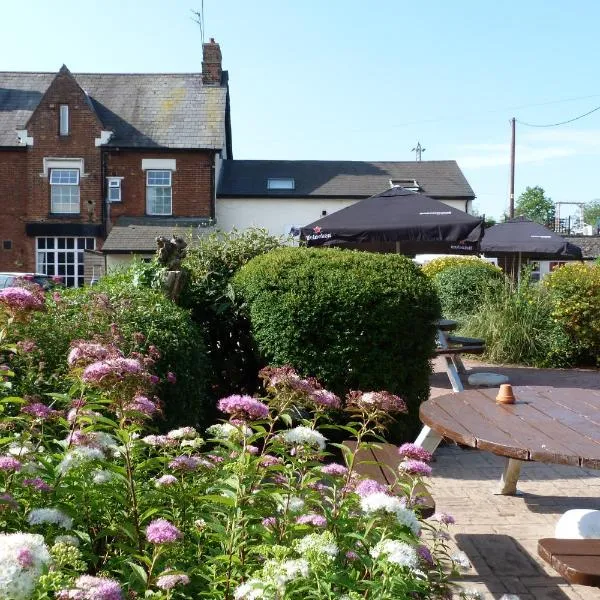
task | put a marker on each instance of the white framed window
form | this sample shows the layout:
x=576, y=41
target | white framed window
x=113, y=193
x=63, y=125
x=64, y=191
x=407, y=184
x=159, y=193
x=63, y=257
x=281, y=183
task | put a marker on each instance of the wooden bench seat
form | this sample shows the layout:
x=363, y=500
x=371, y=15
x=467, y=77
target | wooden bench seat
x=577, y=561
x=381, y=464
x=464, y=341
x=461, y=350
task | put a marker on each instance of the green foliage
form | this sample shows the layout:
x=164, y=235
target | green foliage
x=88, y=313
x=535, y=205
x=575, y=302
x=591, y=213
x=211, y=265
x=516, y=324
x=437, y=265
x=462, y=288
x=355, y=320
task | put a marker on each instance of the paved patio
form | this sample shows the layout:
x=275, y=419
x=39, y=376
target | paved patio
x=499, y=534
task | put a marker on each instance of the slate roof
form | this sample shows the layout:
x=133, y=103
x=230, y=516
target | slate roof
x=155, y=110
x=589, y=244
x=138, y=234
x=345, y=179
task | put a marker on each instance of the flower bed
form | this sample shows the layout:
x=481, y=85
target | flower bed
x=93, y=505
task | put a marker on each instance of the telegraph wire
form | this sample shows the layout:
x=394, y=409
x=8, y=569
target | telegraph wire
x=562, y=122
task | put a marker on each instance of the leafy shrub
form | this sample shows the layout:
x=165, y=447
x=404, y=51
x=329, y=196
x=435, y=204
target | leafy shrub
x=115, y=308
x=209, y=294
x=462, y=288
x=251, y=513
x=437, y=265
x=355, y=320
x=575, y=297
x=517, y=326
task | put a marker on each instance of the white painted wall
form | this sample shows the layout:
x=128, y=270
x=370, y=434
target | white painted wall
x=278, y=214
x=116, y=261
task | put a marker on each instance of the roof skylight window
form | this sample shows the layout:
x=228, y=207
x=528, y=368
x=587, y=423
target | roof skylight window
x=281, y=183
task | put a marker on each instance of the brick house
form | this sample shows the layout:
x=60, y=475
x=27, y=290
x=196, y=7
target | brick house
x=85, y=159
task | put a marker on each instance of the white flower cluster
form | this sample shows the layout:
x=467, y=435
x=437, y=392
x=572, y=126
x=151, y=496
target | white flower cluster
x=380, y=501
x=395, y=552
x=461, y=560
x=54, y=516
x=195, y=443
x=281, y=573
x=23, y=557
x=102, y=476
x=69, y=540
x=304, y=436
x=183, y=433
x=227, y=431
x=251, y=590
x=293, y=504
x=317, y=547
x=79, y=456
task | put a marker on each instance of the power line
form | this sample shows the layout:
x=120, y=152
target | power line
x=562, y=122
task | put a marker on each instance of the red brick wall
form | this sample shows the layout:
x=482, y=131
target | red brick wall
x=191, y=182
x=13, y=192
x=84, y=127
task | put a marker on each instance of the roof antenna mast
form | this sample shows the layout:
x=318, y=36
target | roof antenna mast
x=418, y=150
x=199, y=19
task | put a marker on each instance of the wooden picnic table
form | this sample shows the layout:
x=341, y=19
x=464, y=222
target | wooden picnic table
x=578, y=561
x=546, y=424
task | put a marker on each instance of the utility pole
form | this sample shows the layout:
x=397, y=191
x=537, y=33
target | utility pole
x=511, y=199
x=418, y=149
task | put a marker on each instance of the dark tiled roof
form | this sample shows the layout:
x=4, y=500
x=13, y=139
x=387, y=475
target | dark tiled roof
x=144, y=110
x=138, y=234
x=347, y=179
x=589, y=244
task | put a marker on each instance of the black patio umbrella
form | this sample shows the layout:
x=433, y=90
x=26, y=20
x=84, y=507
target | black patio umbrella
x=415, y=222
x=528, y=239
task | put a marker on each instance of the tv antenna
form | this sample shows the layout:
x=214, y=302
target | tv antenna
x=418, y=150
x=198, y=18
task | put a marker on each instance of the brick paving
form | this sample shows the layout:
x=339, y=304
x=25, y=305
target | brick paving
x=499, y=534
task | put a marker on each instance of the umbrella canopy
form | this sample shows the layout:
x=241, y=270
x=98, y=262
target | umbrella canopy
x=419, y=223
x=529, y=239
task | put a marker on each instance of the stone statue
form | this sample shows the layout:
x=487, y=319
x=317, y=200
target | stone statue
x=171, y=252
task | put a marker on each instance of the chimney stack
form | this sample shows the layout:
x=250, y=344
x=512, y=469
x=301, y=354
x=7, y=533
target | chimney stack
x=211, y=63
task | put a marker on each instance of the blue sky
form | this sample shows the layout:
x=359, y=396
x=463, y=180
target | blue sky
x=350, y=80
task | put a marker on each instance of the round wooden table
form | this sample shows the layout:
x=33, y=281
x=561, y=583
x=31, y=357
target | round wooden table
x=546, y=424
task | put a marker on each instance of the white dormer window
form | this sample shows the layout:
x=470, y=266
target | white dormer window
x=63, y=126
x=407, y=184
x=281, y=183
x=114, y=189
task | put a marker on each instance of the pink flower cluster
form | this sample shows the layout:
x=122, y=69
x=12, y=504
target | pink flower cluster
x=187, y=463
x=92, y=588
x=415, y=452
x=38, y=483
x=160, y=531
x=9, y=463
x=18, y=299
x=141, y=404
x=334, y=469
x=83, y=352
x=38, y=410
x=369, y=486
x=112, y=368
x=243, y=407
x=312, y=519
x=167, y=581
x=325, y=399
x=26, y=346
x=376, y=401
x=416, y=468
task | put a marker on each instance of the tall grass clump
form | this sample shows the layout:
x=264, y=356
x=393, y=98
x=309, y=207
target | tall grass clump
x=517, y=326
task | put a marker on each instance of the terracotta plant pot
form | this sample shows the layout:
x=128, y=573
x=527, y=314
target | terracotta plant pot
x=505, y=395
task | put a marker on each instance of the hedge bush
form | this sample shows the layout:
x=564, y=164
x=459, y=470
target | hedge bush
x=355, y=320
x=211, y=265
x=575, y=299
x=462, y=288
x=437, y=265
x=88, y=313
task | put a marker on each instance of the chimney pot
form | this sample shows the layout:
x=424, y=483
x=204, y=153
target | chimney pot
x=211, y=63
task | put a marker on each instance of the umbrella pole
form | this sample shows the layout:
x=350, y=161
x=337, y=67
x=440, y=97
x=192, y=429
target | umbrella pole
x=397, y=247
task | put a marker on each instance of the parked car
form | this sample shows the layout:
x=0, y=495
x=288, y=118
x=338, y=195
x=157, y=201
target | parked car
x=13, y=279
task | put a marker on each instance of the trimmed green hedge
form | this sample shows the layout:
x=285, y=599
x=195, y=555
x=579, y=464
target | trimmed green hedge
x=354, y=320
x=87, y=313
x=462, y=288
